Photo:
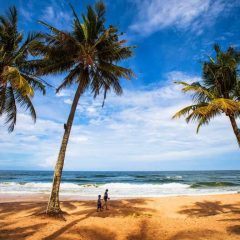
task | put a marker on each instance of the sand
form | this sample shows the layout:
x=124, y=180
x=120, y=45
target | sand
x=173, y=218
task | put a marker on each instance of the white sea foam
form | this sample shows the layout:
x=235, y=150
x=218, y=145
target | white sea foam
x=117, y=190
x=174, y=177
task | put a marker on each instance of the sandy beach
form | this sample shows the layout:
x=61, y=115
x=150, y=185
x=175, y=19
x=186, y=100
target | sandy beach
x=170, y=218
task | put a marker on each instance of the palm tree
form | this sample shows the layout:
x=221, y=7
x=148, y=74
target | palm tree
x=17, y=81
x=218, y=93
x=89, y=54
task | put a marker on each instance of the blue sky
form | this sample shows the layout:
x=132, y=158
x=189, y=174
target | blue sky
x=134, y=131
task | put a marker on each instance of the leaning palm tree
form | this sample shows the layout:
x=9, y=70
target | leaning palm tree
x=17, y=81
x=218, y=93
x=90, y=54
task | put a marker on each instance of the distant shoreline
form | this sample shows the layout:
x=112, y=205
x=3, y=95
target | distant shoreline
x=19, y=197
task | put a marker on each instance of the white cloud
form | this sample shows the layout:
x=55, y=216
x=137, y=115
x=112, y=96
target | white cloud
x=154, y=15
x=67, y=101
x=130, y=130
x=48, y=162
x=79, y=139
x=27, y=14
x=55, y=15
x=64, y=93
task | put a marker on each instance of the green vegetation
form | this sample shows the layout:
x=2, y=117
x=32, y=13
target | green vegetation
x=90, y=53
x=218, y=93
x=17, y=81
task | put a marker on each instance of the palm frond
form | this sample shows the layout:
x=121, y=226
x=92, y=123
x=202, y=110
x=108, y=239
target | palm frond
x=12, y=75
x=2, y=99
x=36, y=83
x=196, y=88
x=204, y=120
x=185, y=111
x=226, y=105
x=73, y=75
x=10, y=109
x=25, y=102
x=17, y=72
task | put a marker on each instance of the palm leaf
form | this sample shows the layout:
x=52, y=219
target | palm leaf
x=26, y=103
x=197, y=88
x=10, y=109
x=74, y=73
x=17, y=81
x=226, y=105
x=2, y=98
x=185, y=111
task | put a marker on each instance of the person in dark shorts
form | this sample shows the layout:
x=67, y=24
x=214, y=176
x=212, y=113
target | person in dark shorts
x=106, y=198
x=99, y=203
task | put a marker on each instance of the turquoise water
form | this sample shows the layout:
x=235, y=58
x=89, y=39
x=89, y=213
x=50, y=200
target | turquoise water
x=123, y=184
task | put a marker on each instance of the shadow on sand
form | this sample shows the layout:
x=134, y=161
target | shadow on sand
x=20, y=232
x=118, y=208
x=95, y=233
x=12, y=217
x=134, y=208
x=145, y=232
x=234, y=229
x=210, y=208
x=196, y=235
x=9, y=209
x=29, y=208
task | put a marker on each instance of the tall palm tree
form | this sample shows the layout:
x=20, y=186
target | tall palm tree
x=90, y=54
x=17, y=81
x=218, y=93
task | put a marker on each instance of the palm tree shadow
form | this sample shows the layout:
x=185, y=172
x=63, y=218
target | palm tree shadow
x=63, y=229
x=20, y=232
x=234, y=229
x=69, y=205
x=9, y=209
x=124, y=208
x=143, y=233
x=92, y=233
x=29, y=208
x=209, y=208
x=117, y=208
x=130, y=207
x=195, y=234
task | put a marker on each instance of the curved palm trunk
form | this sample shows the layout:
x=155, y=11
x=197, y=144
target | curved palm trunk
x=53, y=203
x=235, y=128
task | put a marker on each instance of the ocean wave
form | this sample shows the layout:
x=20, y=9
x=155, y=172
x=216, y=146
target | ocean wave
x=103, y=176
x=141, y=176
x=213, y=184
x=156, y=180
x=117, y=190
x=174, y=177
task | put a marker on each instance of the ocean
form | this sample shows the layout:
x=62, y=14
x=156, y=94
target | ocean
x=123, y=184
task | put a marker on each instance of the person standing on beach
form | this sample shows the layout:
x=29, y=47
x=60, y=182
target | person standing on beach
x=99, y=203
x=106, y=198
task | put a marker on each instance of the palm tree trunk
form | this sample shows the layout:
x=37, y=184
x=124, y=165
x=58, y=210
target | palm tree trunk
x=53, y=203
x=235, y=128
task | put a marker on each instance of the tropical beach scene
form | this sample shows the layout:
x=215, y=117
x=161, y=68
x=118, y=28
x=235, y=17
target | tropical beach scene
x=119, y=120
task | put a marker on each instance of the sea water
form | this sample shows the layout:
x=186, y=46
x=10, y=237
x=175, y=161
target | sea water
x=123, y=184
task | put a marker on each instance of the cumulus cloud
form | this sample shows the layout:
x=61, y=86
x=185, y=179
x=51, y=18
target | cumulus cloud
x=27, y=14
x=133, y=129
x=154, y=15
x=63, y=93
x=56, y=15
